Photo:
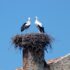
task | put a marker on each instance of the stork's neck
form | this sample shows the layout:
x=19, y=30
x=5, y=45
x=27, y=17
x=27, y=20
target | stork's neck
x=37, y=22
x=28, y=22
x=36, y=19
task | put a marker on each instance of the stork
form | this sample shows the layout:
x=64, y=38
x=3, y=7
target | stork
x=39, y=25
x=26, y=25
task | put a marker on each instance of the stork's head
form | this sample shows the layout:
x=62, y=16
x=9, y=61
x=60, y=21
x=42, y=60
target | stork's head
x=36, y=17
x=29, y=18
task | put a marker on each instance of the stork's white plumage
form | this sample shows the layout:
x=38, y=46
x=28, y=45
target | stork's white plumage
x=26, y=24
x=39, y=25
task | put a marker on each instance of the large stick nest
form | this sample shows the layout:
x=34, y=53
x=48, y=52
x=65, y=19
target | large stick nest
x=32, y=40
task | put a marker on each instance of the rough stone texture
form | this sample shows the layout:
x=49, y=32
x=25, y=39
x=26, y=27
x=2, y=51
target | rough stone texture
x=62, y=63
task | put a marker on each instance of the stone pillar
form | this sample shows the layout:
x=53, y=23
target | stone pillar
x=33, y=60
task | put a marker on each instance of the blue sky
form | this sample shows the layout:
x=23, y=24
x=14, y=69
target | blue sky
x=55, y=16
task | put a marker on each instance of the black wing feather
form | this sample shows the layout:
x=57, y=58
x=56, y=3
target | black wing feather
x=41, y=29
x=23, y=27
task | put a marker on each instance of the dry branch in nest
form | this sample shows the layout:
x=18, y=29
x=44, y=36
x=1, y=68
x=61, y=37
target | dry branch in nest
x=32, y=41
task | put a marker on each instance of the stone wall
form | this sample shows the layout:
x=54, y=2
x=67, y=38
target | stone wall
x=62, y=63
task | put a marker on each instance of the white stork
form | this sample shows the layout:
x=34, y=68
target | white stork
x=26, y=25
x=39, y=25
